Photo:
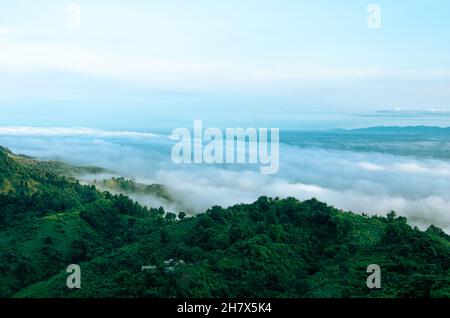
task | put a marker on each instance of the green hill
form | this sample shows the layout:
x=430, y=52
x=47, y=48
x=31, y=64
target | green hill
x=130, y=187
x=64, y=169
x=271, y=248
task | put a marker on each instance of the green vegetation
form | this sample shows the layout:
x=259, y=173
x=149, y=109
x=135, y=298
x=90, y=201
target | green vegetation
x=64, y=169
x=271, y=248
x=129, y=187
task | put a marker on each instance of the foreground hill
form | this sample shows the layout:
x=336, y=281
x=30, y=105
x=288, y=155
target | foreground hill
x=273, y=247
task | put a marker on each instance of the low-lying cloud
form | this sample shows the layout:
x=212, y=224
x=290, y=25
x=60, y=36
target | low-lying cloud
x=372, y=183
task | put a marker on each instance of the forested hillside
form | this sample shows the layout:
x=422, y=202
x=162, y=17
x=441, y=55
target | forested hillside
x=271, y=248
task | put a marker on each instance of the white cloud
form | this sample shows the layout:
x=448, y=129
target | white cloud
x=10, y=33
x=372, y=183
x=24, y=56
x=370, y=166
x=219, y=190
x=59, y=131
x=410, y=167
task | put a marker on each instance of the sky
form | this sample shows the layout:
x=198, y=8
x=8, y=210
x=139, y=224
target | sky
x=288, y=63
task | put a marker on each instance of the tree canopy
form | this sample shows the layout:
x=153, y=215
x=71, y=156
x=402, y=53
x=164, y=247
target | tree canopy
x=270, y=248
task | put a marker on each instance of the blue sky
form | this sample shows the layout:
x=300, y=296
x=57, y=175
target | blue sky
x=154, y=61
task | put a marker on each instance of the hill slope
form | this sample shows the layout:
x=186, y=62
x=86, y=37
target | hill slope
x=273, y=247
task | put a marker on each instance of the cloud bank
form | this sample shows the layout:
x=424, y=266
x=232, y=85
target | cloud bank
x=363, y=182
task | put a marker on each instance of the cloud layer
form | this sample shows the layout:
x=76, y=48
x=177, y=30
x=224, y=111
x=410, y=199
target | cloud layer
x=362, y=182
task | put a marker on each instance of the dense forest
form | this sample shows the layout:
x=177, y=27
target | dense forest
x=271, y=248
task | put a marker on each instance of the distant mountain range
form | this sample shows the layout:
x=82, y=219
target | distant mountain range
x=405, y=130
